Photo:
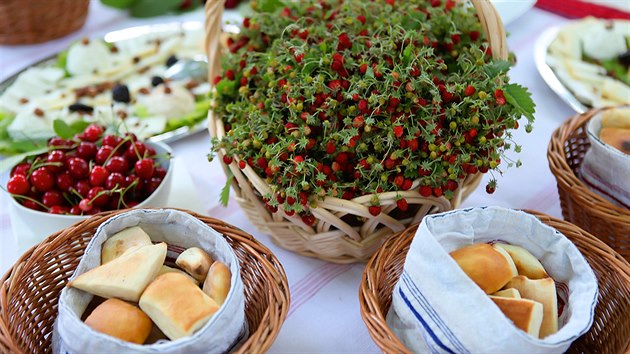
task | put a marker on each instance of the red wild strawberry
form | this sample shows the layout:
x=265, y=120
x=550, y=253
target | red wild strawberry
x=298, y=159
x=402, y=204
x=472, y=132
x=308, y=219
x=358, y=122
x=375, y=210
x=334, y=85
x=242, y=164
x=262, y=162
x=469, y=90
x=363, y=106
x=491, y=186
x=344, y=42
x=437, y=191
x=299, y=57
x=246, y=22
x=229, y=74
x=361, y=19
x=425, y=191
x=451, y=185
x=474, y=35
x=398, y=131
x=363, y=68
x=399, y=180
x=500, y=98
x=455, y=38
x=330, y=147
x=407, y=184
x=391, y=2
x=227, y=159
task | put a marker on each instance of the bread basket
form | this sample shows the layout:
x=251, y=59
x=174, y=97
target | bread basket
x=331, y=238
x=29, y=22
x=610, y=332
x=580, y=205
x=30, y=289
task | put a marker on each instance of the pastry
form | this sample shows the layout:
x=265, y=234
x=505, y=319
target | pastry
x=217, y=283
x=167, y=269
x=176, y=305
x=525, y=314
x=121, y=320
x=195, y=262
x=508, y=258
x=616, y=137
x=125, y=277
x=525, y=262
x=125, y=240
x=487, y=267
x=616, y=118
x=543, y=291
x=510, y=293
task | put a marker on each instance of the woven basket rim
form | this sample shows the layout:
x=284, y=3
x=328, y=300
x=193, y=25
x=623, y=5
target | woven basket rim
x=277, y=289
x=248, y=185
x=566, y=177
x=373, y=276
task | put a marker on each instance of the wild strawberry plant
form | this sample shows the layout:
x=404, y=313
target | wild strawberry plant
x=347, y=98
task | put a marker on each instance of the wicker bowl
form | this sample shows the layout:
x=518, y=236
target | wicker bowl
x=28, y=22
x=580, y=205
x=331, y=238
x=610, y=332
x=30, y=290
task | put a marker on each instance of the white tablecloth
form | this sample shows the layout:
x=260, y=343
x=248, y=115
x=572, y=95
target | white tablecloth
x=324, y=316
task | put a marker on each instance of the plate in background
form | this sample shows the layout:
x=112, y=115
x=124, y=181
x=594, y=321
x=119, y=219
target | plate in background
x=510, y=10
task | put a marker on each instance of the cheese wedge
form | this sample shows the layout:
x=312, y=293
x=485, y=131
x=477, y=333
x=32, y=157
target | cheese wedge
x=484, y=265
x=509, y=293
x=166, y=269
x=121, y=320
x=525, y=262
x=125, y=277
x=543, y=291
x=125, y=240
x=218, y=282
x=195, y=262
x=176, y=305
x=507, y=257
x=525, y=314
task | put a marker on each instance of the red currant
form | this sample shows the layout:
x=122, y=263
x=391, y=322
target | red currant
x=18, y=184
x=42, y=179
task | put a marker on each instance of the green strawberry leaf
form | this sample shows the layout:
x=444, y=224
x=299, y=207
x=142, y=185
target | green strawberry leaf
x=269, y=5
x=151, y=8
x=225, y=191
x=521, y=99
x=119, y=4
x=497, y=67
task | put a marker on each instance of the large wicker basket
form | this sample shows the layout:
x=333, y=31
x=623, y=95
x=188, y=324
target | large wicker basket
x=331, y=238
x=610, y=332
x=580, y=205
x=28, y=22
x=30, y=290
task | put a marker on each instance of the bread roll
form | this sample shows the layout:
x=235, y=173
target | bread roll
x=125, y=277
x=543, y=291
x=122, y=320
x=166, y=269
x=525, y=314
x=617, y=138
x=616, y=118
x=176, y=305
x=507, y=258
x=484, y=265
x=126, y=240
x=525, y=262
x=195, y=262
x=509, y=293
x=217, y=283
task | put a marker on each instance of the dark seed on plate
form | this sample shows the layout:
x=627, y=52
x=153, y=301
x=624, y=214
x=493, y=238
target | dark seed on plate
x=80, y=107
x=135, y=60
x=171, y=61
x=624, y=58
x=85, y=41
x=167, y=90
x=156, y=80
x=120, y=93
x=23, y=100
x=38, y=112
x=144, y=91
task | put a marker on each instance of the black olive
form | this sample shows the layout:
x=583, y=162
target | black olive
x=156, y=80
x=624, y=58
x=120, y=93
x=80, y=107
x=171, y=61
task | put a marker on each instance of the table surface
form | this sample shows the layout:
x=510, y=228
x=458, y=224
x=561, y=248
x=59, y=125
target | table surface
x=324, y=316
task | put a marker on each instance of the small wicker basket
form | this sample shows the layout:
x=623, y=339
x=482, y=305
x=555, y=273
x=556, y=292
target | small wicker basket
x=30, y=290
x=580, y=205
x=610, y=332
x=28, y=22
x=331, y=238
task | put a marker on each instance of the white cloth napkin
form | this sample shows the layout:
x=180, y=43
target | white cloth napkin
x=224, y=330
x=606, y=170
x=436, y=308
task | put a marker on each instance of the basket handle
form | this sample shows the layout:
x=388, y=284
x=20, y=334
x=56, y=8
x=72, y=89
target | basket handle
x=488, y=16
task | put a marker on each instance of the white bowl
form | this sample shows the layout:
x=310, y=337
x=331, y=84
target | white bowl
x=31, y=226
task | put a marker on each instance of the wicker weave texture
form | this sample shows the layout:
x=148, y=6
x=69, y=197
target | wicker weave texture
x=28, y=22
x=610, y=332
x=333, y=238
x=30, y=290
x=580, y=205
